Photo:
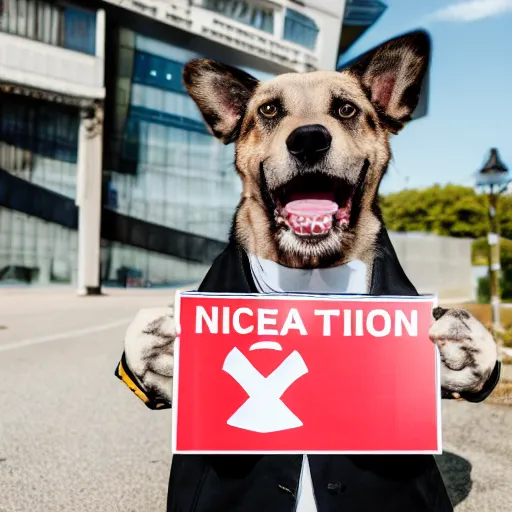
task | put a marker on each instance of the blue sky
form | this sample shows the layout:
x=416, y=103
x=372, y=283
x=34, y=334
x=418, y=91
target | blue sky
x=470, y=105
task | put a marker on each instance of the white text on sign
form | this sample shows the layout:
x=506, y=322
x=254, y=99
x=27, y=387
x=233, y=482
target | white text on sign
x=345, y=322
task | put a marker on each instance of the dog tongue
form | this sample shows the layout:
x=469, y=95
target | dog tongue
x=311, y=216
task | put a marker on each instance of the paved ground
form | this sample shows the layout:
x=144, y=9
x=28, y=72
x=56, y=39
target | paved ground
x=73, y=438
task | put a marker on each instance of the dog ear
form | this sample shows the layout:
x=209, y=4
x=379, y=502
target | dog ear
x=221, y=92
x=392, y=75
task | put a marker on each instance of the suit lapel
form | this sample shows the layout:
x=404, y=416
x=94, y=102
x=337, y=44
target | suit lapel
x=231, y=273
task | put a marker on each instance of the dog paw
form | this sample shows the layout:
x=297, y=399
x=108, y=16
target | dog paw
x=149, y=350
x=468, y=350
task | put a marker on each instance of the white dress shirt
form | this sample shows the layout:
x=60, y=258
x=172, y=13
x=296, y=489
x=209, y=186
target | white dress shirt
x=270, y=277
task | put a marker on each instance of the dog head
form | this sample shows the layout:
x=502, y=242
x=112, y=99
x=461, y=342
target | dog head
x=312, y=148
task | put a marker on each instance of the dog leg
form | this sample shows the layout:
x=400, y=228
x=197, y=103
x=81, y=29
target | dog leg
x=149, y=351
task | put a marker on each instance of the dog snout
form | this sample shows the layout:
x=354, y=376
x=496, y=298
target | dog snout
x=309, y=143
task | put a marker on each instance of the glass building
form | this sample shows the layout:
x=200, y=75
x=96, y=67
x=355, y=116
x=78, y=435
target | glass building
x=169, y=189
x=38, y=148
x=167, y=168
x=164, y=169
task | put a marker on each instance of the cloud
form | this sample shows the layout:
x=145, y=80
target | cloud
x=472, y=10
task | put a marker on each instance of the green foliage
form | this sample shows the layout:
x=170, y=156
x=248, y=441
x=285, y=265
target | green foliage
x=507, y=339
x=484, y=291
x=480, y=257
x=452, y=210
x=480, y=252
x=457, y=211
x=506, y=270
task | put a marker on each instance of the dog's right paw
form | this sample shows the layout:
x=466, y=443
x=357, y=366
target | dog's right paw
x=149, y=351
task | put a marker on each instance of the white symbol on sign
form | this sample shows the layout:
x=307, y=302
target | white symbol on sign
x=264, y=410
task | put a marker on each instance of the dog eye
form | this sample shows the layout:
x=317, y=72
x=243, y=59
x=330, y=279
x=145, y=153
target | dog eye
x=268, y=110
x=347, y=110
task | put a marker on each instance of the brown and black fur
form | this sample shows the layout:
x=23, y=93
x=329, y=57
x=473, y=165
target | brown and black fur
x=384, y=86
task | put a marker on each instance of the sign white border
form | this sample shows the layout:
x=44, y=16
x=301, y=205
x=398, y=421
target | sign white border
x=343, y=298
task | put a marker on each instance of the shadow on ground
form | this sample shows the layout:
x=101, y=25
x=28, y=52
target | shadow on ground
x=456, y=473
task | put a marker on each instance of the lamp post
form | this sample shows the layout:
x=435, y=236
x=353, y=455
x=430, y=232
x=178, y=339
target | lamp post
x=493, y=179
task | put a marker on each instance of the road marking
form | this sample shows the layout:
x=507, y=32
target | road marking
x=68, y=334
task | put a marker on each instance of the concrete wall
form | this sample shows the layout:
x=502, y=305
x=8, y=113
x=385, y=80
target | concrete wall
x=436, y=264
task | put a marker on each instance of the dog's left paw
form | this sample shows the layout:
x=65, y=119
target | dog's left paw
x=468, y=350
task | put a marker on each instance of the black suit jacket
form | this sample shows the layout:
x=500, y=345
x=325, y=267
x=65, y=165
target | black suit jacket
x=269, y=483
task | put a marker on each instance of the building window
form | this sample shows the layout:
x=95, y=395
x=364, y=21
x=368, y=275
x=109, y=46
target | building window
x=40, y=128
x=363, y=13
x=79, y=30
x=51, y=23
x=157, y=72
x=300, y=29
x=245, y=12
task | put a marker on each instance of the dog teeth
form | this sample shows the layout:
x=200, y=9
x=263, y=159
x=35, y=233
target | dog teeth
x=304, y=225
x=310, y=225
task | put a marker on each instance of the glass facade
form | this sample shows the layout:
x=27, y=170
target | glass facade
x=38, y=155
x=171, y=172
x=39, y=142
x=170, y=188
x=58, y=24
x=35, y=251
x=300, y=29
x=247, y=12
x=360, y=15
x=363, y=12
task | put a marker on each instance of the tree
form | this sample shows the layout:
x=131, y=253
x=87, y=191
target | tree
x=452, y=210
x=455, y=211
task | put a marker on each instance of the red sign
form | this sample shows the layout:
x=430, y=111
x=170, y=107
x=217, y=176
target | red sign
x=305, y=374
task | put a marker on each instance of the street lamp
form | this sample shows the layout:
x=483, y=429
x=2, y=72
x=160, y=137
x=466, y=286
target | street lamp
x=493, y=179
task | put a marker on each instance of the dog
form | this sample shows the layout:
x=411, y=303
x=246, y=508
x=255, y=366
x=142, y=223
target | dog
x=311, y=150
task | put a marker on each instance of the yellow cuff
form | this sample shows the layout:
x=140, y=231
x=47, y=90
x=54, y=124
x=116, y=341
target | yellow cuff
x=124, y=374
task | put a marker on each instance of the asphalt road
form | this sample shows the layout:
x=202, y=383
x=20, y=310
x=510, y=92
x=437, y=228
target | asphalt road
x=73, y=438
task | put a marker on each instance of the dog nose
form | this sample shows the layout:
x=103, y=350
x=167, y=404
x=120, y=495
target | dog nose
x=309, y=143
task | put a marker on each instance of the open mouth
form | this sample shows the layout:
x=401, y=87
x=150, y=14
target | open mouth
x=311, y=205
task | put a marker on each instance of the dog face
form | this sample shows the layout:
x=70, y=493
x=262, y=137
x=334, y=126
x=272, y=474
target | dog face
x=312, y=148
